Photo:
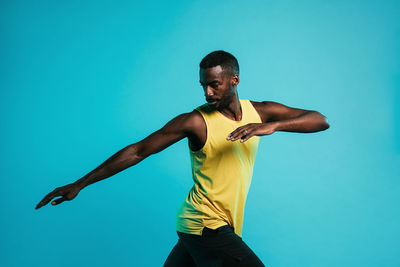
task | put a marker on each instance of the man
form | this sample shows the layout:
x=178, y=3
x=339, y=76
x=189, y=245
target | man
x=223, y=139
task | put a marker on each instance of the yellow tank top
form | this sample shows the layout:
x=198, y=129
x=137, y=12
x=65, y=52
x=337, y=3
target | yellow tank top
x=222, y=172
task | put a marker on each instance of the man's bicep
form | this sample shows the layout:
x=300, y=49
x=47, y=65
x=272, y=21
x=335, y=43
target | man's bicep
x=170, y=133
x=275, y=111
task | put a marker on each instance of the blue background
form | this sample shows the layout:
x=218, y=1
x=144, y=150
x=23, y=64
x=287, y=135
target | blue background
x=82, y=79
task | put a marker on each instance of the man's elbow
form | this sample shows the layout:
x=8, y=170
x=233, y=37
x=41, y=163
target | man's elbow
x=325, y=124
x=137, y=152
x=323, y=121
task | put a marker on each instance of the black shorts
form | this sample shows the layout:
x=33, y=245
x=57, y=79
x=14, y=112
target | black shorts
x=219, y=247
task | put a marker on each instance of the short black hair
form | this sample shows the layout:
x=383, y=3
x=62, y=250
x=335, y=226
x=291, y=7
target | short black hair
x=226, y=60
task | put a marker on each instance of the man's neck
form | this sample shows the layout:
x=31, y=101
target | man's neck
x=233, y=111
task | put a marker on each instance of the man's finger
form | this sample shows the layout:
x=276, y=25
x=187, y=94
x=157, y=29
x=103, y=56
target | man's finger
x=58, y=201
x=239, y=134
x=235, y=131
x=42, y=203
x=46, y=199
x=247, y=136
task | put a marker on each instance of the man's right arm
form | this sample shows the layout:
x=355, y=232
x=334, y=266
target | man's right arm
x=176, y=129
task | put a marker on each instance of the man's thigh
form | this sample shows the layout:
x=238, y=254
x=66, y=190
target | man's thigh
x=179, y=257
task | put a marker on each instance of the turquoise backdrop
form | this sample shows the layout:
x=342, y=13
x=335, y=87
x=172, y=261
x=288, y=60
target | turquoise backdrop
x=82, y=79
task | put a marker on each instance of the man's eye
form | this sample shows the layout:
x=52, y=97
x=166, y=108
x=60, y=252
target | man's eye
x=213, y=85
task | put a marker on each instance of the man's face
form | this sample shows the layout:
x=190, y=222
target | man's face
x=218, y=85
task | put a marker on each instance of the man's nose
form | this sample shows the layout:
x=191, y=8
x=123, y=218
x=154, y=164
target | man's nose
x=209, y=92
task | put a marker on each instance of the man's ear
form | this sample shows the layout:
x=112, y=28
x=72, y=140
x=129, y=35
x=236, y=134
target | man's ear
x=235, y=79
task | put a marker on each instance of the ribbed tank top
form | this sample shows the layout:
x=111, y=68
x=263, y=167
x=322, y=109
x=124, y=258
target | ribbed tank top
x=221, y=172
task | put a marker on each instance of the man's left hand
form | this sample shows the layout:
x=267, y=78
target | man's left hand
x=246, y=131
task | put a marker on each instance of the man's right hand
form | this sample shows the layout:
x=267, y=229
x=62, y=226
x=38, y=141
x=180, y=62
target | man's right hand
x=68, y=192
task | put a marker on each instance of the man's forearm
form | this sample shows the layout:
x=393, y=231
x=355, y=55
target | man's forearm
x=121, y=160
x=311, y=121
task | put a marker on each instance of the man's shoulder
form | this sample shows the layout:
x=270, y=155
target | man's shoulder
x=265, y=104
x=260, y=105
x=265, y=108
x=193, y=120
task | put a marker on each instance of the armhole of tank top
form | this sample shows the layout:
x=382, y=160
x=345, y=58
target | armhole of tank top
x=254, y=110
x=207, y=137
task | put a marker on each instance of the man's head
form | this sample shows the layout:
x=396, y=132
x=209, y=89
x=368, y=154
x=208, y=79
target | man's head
x=219, y=76
x=224, y=59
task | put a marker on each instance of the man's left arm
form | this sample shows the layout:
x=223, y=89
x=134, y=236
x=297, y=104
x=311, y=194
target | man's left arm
x=279, y=117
